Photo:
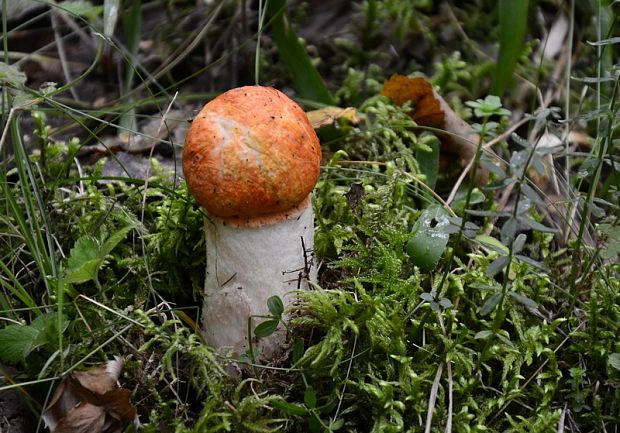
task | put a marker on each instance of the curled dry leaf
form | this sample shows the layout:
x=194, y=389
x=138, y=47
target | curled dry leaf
x=429, y=109
x=329, y=115
x=91, y=402
x=83, y=418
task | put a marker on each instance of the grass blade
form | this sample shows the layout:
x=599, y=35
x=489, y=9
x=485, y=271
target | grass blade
x=306, y=79
x=15, y=288
x=513, y=21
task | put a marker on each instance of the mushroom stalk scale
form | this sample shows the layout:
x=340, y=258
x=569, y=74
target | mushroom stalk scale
x=251, y=159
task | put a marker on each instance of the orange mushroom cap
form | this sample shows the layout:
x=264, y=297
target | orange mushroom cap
x=251, y=157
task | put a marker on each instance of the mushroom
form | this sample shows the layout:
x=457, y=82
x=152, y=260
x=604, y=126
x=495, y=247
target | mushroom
x=251, y=158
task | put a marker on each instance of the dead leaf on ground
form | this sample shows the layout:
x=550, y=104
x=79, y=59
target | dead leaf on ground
x=428, y=108
x=329, y=115
x=91, y=402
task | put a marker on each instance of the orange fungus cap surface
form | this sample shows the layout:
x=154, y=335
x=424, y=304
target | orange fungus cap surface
x=251, y=152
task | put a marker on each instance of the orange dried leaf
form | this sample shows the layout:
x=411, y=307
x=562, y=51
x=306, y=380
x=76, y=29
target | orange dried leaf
x=430, y=109
x=426, y=109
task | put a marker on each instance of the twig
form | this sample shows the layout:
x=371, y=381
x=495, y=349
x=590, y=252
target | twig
x=450, y=390
x=344, y=386
x=562, y=418
x=6, y=128
x=146, y=187
x=485, y=148
x=432, y=399
x=63, y=55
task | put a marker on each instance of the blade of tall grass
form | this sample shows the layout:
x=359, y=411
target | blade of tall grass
x=111, y=9
x=43, y=249
x=261, y=21
x=513, y=23
x=32, y=219
x=306, y=79
x=13, y=286
x=132, y=26
x=5, y=48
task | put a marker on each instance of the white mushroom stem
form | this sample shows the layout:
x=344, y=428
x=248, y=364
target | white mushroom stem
x=245, y=267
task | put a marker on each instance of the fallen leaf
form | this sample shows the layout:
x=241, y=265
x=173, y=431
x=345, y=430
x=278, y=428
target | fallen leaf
x=102, y=379
x=83, y=418
x=428, y=108
x=329, y=115
x=425, y=108
x=91, y=402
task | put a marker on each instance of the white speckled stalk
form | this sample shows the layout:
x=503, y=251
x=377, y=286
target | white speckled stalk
x=245, y=267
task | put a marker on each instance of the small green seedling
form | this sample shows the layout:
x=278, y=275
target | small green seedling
x=269, y=326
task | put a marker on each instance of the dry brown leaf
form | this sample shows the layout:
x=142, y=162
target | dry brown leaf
x=98, y=380
x=329, y=115
x=425, y=108
x=430, y=109
x=83, y=418
x=91, y=402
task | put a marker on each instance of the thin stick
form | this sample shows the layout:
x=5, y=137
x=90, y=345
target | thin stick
x=562, y=418
x=344, y=386
x=63, y=56
x=450, y=390
x=432, y=399
x=485, y=147
x=6, y=128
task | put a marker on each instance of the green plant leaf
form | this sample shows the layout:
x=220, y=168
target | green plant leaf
x=310, y=397
x=276, y=306
x=429, y=239
x=519, y=242
x=47, y=329
x=532, y=262
x=489, y=106
x=113, y=241
x=509, y=230
x=298, y=350
x=84, y=250
x=492, y=244
x=483, y=335
x=336, y=424
x=290, y=408
x=490, y=304
x=496, y=266
x=491, y=167
x=523, y=300
x=445, y=303
x=87, y=257
x=17, y=341
x=87, y=272
x=83, y=261
x=428, y=161
x=266, y=328
x=531, y=194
